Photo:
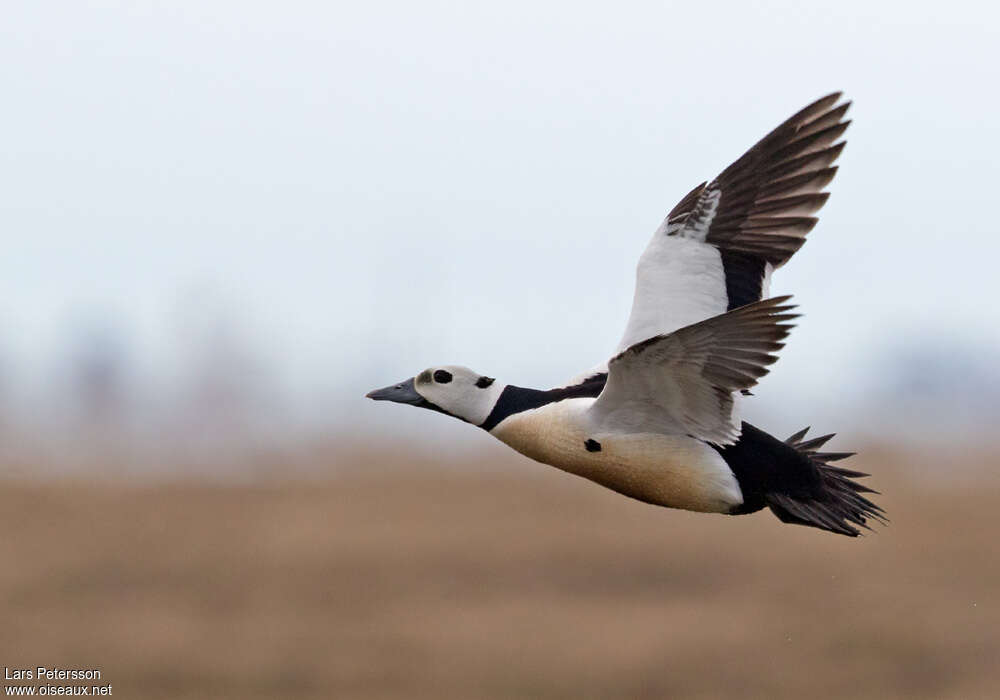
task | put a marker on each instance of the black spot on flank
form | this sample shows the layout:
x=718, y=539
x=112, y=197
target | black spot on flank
x=592, y=445
x=484, y=382
x=442, y=376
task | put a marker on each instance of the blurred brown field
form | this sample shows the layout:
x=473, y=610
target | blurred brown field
x=378, y=577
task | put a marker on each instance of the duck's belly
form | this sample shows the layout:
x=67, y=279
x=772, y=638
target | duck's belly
x=667, y=470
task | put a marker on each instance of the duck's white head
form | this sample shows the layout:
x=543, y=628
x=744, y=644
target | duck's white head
x=457, y=391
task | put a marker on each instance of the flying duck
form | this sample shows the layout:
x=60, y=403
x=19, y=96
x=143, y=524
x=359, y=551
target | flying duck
x=660, y=421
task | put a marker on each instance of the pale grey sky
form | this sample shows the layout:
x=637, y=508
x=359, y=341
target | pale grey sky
x=372, y=188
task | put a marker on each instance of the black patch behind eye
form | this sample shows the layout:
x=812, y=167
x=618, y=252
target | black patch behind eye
x=484, y=382
x=442, y=376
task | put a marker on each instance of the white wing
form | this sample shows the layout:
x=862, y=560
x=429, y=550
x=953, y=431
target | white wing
x=717, y=247
x=685, y=383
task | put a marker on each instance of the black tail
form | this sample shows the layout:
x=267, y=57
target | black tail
x=838, y=504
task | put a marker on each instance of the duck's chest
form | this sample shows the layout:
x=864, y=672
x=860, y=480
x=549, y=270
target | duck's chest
x=668, y=470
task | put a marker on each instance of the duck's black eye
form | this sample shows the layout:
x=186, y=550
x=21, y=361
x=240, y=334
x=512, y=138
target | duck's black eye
x=442, y=376
x=484, y=382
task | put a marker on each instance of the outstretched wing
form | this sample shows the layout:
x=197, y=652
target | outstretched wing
x=685, y=382
x=717, y=247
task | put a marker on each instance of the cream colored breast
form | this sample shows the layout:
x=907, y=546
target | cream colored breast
x=668, y=470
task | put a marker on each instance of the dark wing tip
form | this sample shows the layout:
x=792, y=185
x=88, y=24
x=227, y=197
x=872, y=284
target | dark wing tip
x=781, y=176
